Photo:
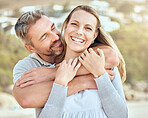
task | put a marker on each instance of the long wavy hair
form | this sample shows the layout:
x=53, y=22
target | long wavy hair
x=103, y=38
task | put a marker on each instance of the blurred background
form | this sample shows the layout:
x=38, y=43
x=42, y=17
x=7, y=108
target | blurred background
x=125, y=20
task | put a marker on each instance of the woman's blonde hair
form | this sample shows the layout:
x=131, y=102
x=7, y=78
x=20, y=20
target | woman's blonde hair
x=102, y=37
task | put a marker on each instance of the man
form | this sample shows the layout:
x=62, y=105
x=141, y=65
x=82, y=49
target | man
x=34, y=75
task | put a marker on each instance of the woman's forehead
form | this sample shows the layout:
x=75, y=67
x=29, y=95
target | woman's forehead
x=84, y=17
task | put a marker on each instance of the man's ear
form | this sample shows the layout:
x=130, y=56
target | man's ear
x=30, y=48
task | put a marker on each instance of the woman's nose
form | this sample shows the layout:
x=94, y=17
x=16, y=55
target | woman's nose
x=80, y=31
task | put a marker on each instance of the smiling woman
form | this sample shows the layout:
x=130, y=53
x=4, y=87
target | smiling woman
x=80, y=32
x=82, y=29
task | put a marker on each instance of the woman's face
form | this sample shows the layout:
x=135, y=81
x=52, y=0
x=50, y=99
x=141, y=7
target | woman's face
x=80, y=31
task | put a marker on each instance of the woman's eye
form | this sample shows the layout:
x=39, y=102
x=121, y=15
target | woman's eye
x=74, y=24
x=88, y=28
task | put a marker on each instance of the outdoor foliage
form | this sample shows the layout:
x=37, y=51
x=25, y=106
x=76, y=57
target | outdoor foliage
x=126, y=7
x=11, y=50
x=132, y=40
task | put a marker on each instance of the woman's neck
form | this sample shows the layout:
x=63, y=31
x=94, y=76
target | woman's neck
x=71, y=54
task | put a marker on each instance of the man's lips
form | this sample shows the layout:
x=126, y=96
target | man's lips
x=57, y=45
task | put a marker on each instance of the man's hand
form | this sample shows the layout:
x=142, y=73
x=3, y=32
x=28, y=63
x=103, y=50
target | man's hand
x=111, y=73
x=36, y=75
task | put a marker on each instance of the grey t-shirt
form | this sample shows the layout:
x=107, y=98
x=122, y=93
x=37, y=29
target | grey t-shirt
x=30, y=62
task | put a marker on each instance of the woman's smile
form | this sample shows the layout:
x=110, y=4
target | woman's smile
x=80, y=32
x=77, y=40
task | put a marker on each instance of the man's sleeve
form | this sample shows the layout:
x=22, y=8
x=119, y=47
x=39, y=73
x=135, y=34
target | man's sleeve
x=112, y=95
x=21, y=67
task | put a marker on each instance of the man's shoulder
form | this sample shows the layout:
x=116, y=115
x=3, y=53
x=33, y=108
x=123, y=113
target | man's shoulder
x=24, y=65
x=25, y=61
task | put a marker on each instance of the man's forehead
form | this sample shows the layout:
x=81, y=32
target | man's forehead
x=43, y=22
x=40, y=27
x=45, y=18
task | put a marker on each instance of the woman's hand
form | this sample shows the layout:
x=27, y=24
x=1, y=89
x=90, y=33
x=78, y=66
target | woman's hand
x=93, y=62
x=67, y=71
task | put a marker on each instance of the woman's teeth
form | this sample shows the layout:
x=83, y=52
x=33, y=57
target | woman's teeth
x=78, y=40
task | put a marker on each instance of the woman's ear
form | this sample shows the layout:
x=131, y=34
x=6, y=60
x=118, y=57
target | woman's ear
x=96, y=34
x=30, y=48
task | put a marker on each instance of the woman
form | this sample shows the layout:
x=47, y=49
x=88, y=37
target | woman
x=82, y=29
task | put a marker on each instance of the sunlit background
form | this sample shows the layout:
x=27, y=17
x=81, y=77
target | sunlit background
x=125, y=20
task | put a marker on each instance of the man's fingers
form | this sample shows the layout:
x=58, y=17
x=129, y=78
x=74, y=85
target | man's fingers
x=111, y=77
x=23, y=80
x=110, y=72
x=27, y=74
x=27, y=84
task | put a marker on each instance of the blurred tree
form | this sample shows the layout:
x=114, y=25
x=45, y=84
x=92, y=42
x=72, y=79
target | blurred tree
x=132, y=41
x=126, y=7
x=11, y=50
x=16, y=12
x=66, y=6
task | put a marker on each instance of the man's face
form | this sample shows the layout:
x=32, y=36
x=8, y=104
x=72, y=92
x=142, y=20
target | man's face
x=45, y=38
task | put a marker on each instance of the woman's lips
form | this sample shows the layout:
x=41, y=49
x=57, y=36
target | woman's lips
x=77, y=40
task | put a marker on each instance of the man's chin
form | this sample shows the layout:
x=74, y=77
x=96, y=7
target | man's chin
x=57, y=53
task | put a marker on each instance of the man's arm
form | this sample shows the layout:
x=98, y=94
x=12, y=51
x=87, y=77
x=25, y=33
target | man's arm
x=36, y=75
x=36, y=95
x=42, y=74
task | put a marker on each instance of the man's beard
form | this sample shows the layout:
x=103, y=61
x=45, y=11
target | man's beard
x=53, y=53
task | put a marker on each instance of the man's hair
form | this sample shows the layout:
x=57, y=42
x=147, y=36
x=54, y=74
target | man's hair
x=23, y=24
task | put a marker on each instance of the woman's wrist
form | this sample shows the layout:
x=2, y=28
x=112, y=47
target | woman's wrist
x=101, y=72
x=61, y=82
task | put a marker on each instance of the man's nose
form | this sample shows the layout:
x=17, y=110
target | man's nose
x=56, y=35
x=57, y=32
